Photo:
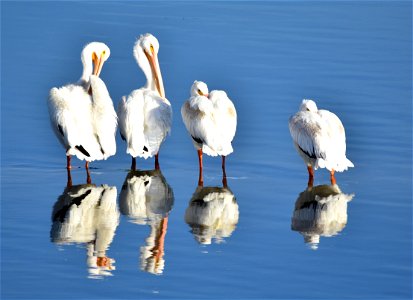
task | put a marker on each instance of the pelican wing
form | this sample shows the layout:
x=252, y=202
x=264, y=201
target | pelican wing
x=70, y=112
x=335, y=130
x=198, y=116
x=336, y=154
x=104, y=117
x=306, y=131
x=226, y=118
x=158, y=121
x=131, y=122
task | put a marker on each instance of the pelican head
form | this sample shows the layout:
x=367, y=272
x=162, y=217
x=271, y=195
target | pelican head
x=93, y=57
x=146, y=54
x=199, y=88
x=308, y=105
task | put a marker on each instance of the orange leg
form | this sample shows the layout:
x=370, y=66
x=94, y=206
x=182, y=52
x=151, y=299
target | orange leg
x=332, y=178
x=224, y=174
x=310, y=176
x=68, y=160
x=69, y=178
x=88, y=178
x=133, y=166
x=157, y=161
x=200, y=178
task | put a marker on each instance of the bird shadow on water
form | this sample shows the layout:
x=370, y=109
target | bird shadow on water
x=212, y=213
x=87, y=214
x=146, y=199
x=320, y=211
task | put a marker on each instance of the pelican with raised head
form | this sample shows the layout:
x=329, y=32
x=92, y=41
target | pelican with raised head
x=82, y=114
x=320, y=140
x=145, y=116
x=211, y=120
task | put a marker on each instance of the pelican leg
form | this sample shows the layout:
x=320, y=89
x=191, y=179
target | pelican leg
x=133, y=166
x=68, y=160
x=310, y=176
x=157, y=161
x=88, y=178
x=69, y=178
x=200, y=178
x=332, y=178
x=224, y=174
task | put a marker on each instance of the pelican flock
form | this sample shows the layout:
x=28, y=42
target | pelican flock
x=320, y=139
x=145, y=116
x=84, y=120
x=82, y=114
x=211, y=120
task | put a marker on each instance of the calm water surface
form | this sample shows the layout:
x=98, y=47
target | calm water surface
x=266, y=236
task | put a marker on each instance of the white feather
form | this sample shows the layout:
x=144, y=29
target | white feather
x=211, y=120
x=144, y=121
x=145, y=118
x=319, y=138
x=105, y=120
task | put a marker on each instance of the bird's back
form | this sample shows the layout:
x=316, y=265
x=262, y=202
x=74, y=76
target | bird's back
x=226, y=115
x=145, y=120
x=104, y=117
x=71, y=119
x=320, y=136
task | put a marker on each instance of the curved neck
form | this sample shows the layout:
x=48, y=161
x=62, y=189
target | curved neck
x=87, y=71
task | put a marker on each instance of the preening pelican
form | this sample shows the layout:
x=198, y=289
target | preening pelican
x=211, y=120
x=320, y=139
x=82, y=114
x=145, y=116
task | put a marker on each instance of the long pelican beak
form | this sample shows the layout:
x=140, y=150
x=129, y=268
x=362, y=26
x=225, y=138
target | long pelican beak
x=98, y=63
x=156, y=72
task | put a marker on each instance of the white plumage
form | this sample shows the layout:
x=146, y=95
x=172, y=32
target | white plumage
x=145, y=116
x=82, y=114
x=211, y=120
x=320, y=139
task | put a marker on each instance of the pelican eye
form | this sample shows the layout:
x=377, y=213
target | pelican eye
x=152, y=49
x=200, y=93
x=104, y=52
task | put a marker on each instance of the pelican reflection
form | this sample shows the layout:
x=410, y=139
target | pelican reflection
x=87, y=214
x=212, y=213
x=320, y=211
x=146, y=198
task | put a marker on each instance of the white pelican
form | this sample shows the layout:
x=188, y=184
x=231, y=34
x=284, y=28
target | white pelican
x=145, y=116
x=320, y=139
x=211, y=120
x=82, y=114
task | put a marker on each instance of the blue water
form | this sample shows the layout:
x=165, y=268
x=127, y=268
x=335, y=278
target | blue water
x=353, y=58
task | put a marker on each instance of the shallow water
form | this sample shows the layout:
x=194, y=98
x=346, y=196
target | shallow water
x=353, y=58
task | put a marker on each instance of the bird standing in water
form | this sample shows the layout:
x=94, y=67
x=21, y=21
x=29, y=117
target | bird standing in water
x=320, y=140
x=145, y=116
x=82, y=114
x=211, y=120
